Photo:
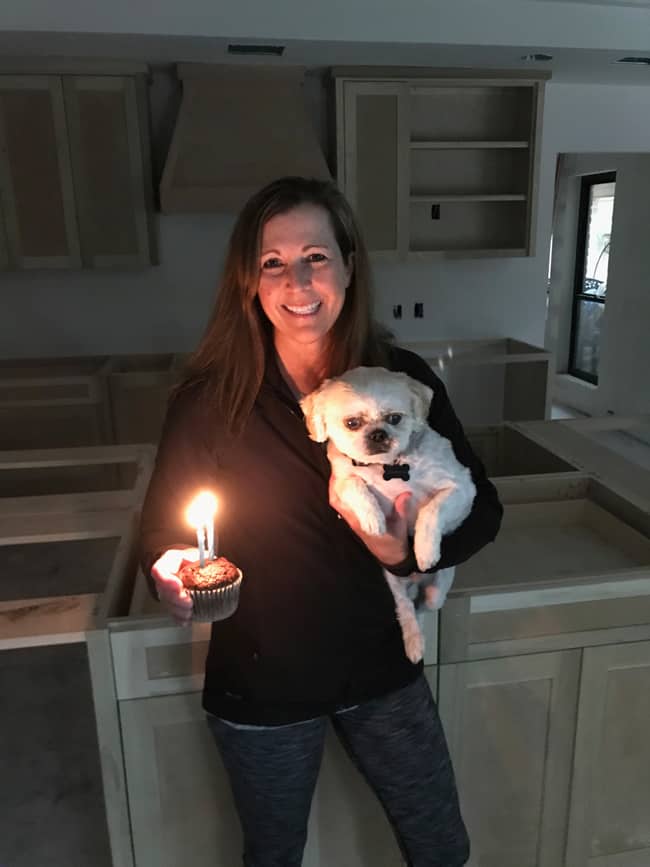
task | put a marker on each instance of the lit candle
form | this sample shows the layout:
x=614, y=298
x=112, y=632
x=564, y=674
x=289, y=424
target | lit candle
x=200, y=515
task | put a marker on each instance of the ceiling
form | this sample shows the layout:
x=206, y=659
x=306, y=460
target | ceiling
x=567, y=65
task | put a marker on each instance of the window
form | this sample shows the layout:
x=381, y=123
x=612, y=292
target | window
x=592, y=262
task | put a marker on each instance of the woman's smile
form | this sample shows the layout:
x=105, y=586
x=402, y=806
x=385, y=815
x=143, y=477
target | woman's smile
x=303, y=311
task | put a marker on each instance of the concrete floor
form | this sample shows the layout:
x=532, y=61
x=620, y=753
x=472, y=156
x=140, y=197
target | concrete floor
x=51, y=798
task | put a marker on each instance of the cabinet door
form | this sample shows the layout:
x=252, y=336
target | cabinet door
x=4, y=246
x=510, y=725
x=108, y=133
x=35, y=174
x=610, y=798
x=372, y=161
x=179, y=797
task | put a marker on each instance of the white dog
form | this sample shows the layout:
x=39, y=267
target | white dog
x=379, y=445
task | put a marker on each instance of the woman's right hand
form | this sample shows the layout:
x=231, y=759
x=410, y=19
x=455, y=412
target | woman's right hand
x=169, y=586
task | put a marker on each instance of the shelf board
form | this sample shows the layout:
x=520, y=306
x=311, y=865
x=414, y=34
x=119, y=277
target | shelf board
x=468, y=197
x=422, y=253
x=467, y=145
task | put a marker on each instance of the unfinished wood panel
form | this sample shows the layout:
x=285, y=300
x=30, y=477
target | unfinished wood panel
x=4, y=243
x=109, y=141
x=55, y=568
x=179, y=797
x=548, y=542
x=35, y=174
x=609, y=819
x=467, y=171
x=50, y=402
x=371, y=152
x=462, y=111
x=139, y=388
x=510, y=726
x=159, y=659
x=626, y=478
x=51, y=798
x=458, y=226
x=109, y=738
x=46, y=622
x=527, y=393
x=476, y=373
x=505, y=451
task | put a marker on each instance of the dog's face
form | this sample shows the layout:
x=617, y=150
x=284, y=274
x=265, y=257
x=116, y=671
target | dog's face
x=369, y=413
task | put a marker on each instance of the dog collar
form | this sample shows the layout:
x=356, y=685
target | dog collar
x=391, y=471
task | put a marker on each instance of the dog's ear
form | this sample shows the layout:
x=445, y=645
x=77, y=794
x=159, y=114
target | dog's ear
x=312, y=406
x=421, y=396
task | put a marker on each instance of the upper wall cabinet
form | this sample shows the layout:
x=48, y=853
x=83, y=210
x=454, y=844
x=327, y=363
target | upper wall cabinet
x=38, y=207
x=75, y=182
x=440, y=163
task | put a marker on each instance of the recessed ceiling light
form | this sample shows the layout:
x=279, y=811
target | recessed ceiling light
x=538, y=57
x=273, y=50
x=643, y=61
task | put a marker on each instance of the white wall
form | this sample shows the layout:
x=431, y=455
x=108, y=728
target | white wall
x=468, y=22
x=606, y=122
x=625, y=333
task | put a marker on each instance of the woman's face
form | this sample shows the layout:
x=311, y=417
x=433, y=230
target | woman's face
x=303, y=277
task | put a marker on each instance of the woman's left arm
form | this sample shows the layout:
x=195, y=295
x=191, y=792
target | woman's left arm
x=482, y=524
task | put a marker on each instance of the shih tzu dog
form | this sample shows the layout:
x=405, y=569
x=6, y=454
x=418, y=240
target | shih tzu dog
x=380, y=445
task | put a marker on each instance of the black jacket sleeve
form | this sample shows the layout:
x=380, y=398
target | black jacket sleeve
x=185, y=465
x=482, y=524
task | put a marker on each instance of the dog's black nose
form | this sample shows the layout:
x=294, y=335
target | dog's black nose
x=378, y=436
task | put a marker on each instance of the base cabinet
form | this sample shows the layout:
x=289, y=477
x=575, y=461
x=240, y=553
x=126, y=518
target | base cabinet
x=510, y=725
x=179, y=798
x=609, y=823
x=181, y=807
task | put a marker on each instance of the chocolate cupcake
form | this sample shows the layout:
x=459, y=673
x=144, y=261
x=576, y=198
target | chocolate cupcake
x=213, y=588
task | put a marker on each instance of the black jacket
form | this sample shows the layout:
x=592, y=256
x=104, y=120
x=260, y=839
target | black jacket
x=315, y=629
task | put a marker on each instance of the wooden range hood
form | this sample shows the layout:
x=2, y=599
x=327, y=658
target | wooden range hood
x=238, y=128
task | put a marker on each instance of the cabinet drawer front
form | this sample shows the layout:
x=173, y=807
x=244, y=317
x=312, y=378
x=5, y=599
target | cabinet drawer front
x=159, y=661
x=503, y=624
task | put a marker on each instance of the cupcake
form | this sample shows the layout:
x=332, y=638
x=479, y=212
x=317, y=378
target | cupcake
x=213, y=588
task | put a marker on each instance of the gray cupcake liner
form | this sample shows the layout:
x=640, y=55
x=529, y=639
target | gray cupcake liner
x=217, y=604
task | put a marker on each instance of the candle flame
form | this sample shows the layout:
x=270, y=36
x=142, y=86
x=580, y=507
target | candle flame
x=201, y=510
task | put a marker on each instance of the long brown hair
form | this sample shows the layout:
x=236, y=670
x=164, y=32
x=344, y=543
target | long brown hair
x=231, y=355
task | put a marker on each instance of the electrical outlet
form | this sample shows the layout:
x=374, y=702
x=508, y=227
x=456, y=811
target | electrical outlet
x=418, y=310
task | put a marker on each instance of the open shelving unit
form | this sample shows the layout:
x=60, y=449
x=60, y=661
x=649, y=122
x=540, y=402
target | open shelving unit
x=457, y=156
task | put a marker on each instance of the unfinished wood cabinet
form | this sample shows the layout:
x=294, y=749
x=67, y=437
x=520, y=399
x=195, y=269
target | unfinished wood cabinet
x=67, y=557
x=510, y=725
x=39, y=211
x=54, y=402
x=181, y=808
x=602, y=448
x=491, y=381
x=440, y=163
x=75, y=171
x=108, y=133
x=609, y=817
x=139, y=387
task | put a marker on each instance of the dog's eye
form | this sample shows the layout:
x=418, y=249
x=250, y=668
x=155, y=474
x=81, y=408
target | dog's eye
x=394, y=418
x=353, y=423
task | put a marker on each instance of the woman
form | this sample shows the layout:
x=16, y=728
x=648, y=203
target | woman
x=315, y=635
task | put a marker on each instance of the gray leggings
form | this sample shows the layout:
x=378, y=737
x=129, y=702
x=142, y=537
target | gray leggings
x=396, y=742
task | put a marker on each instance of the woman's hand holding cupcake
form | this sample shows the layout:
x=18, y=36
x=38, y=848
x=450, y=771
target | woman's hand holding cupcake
x=169, y=586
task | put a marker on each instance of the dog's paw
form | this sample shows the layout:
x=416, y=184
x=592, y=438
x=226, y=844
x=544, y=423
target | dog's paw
x=414, y=645
x=427, y=552
x=373, y=522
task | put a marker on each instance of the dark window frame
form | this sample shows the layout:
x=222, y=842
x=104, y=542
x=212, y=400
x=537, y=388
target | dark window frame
x=587, y=182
